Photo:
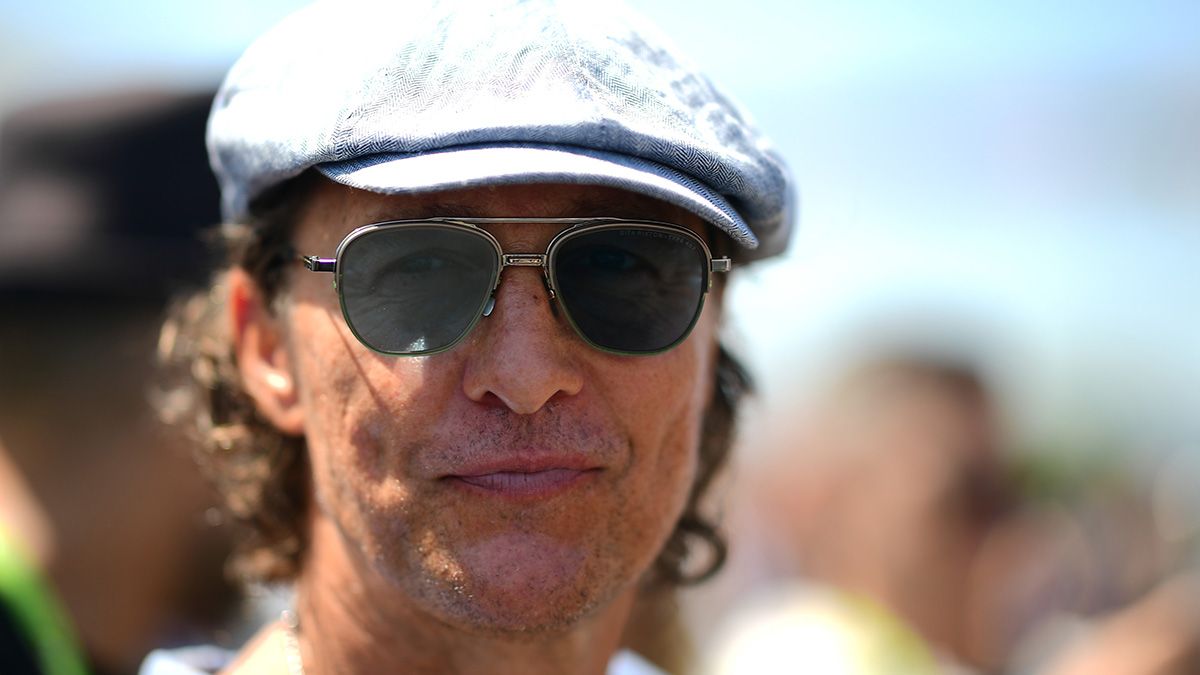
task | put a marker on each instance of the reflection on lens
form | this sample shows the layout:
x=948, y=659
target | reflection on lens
x=415, y=289
x=631, y=289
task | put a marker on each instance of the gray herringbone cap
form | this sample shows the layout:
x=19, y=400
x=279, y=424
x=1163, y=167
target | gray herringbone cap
x=417, y=96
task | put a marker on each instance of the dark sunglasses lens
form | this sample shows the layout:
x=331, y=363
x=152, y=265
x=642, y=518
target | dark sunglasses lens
x=415, y=289
x=631, y=290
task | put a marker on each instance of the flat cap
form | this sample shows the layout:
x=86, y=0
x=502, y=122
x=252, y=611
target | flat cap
x=418, y=96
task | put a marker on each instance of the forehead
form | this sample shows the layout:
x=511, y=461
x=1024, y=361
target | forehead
x=333, y=210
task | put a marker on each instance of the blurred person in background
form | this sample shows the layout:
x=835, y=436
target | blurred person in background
x=907, y=540
x=104, y=550
x=879, y=501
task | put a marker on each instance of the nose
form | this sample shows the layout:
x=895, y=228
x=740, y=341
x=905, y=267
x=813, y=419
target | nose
x=522, y=356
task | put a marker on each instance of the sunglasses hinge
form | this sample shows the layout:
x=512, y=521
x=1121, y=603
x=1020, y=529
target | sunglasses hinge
x=315, y=264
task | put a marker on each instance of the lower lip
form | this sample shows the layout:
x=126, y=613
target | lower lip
x=520, y=485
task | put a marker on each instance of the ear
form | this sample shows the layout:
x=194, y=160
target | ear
x=262, y=355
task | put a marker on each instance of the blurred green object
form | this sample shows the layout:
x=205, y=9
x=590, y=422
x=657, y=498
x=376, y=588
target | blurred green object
x=37, y=611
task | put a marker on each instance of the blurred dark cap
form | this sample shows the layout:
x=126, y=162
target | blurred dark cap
x=105, y=197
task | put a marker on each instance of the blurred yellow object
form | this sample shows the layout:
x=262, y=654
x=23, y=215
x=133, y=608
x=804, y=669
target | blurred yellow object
x=802, y=628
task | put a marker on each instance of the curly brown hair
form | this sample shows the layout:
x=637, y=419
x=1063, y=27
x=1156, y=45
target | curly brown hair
x=262, y=474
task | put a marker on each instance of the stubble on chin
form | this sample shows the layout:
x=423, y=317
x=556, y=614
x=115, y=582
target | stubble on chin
x=498, y=569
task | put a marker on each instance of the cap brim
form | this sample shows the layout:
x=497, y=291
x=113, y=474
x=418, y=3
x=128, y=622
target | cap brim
x=468, y=166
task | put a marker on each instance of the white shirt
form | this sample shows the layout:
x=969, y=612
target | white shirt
x=207, y=659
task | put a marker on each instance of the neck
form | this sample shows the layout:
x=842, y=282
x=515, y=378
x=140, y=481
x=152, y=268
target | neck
x=354, y=621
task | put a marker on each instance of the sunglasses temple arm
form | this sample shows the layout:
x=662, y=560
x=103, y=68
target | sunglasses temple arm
x=315, y=264
x=719, y=265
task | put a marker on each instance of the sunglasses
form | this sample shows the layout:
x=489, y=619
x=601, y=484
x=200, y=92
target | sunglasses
x=414, y=287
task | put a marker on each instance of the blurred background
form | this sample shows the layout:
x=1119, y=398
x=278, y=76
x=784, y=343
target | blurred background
x=976, y=364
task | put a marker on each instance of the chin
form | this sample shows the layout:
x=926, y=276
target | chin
x=522, y=584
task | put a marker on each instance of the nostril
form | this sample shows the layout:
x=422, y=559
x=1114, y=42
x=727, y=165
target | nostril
x=492, y=400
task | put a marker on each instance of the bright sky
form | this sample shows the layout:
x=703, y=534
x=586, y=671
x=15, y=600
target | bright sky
x=1024, y=171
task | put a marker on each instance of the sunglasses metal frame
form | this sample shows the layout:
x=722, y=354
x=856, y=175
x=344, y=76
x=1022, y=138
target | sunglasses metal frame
x=576, y=227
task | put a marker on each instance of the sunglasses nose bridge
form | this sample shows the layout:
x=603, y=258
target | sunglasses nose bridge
x=530, y=260
x=523, y=260
x=520, y=260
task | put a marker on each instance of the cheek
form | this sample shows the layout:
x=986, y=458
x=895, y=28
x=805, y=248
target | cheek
x=664, y=398
x=360, y=408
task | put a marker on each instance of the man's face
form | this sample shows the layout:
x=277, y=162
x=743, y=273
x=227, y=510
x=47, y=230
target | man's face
x=520, y=479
